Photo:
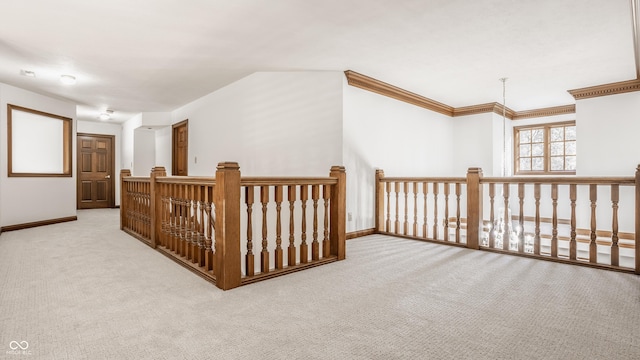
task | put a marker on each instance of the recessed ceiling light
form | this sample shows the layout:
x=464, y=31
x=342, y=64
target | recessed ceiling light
x=27, y=73
x=68, y=79
x=106, y=115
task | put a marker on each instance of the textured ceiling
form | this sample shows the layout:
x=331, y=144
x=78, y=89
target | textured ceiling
x=156, y=55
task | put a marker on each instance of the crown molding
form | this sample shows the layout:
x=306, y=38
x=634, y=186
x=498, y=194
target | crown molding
x=606, y=89
x=476, y=109
x=382, y=88
x=544, y=112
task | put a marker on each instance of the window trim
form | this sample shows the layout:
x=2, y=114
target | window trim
x=547, y=148
x=67, y=145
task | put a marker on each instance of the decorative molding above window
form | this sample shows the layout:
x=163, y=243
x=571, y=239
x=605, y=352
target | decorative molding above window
x=606, y=89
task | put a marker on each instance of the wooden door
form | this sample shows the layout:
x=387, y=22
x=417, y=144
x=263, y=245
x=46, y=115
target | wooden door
x=96, y=178
x=180, y=145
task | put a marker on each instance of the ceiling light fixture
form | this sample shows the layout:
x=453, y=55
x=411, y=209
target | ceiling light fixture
x=68, y=79
x=106, y=115
x=27, y=73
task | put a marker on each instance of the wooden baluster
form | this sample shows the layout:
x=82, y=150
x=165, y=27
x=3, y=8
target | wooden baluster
x=615, y=251
x=165, y=215
x=406, y=208
x=396, y=228
x=134, y=206
x=189, y=222
x=175, y=234
x=446, y=211
x=506, y=237
x=315, y=245
x=178, y=220
x=189, y=230
x=458, y=193
x=201, y=229
x=415, y=209
x=388, y=222
x=279, y=257
x=249, y=257
x=425, y=228
x=536, y=236
x=304, y=248
x=554, y=220
x=573, y=250
x=184, y=217
x=210, y=228
x=492, y=219
x=194, y=224
x=521, y=218
x=172, y=212
x=326, y=244
x=264, y=255
x=435, y=211
x=593, y=246
x=291, y=258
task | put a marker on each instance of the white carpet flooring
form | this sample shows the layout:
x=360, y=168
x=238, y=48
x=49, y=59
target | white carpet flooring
x=86, y=290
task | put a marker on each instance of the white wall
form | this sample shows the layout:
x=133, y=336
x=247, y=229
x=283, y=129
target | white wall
x=128, y=128
x=473, y=143
x=607, y=131
x=103, y=128
x=27, y=200
x=272, y=124
x=144, y=151
x=400, y=138
x=163, y=148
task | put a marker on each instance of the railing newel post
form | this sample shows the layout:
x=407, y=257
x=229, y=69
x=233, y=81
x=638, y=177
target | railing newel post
x=474, y=208
x=338, y=212
x=227, y=266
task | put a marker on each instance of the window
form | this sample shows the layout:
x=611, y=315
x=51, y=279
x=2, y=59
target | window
x=545, y=149
x=39, y=144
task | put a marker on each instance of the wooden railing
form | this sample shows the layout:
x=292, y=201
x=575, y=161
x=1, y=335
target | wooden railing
x=420, y=207
x=199, y=221
x=551, y=218
x=135, y=205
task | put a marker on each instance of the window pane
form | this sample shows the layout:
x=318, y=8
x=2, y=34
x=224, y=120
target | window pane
x=537, y=150
x=525, y=164
x=570, y=148
x=537, y=135
x=525, y=150
x=557, y=163
x=570, y=133
x=571, y=163
x=525, y=136
x=557, y=148
x=537, y=164
x=557, y=134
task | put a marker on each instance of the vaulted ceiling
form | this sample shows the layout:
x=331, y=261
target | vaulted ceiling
x=156, y=55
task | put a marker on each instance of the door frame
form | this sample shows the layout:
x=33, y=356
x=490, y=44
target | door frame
x=112, y=196
x=174, y=147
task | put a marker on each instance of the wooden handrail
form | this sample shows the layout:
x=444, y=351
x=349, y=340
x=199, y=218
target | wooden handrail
x=136, y=179
x=560, y=180
x=453, y=180
x=287, y=181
